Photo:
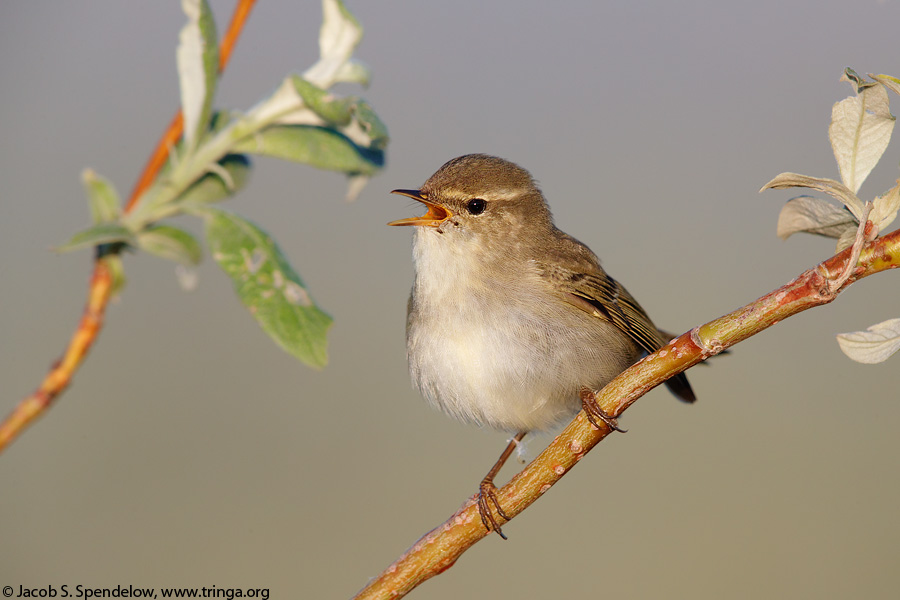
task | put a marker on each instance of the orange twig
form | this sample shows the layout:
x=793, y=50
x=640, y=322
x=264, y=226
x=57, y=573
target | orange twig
x=101, y=281
x=61, y=374
x=229, y=40
x=156, y=161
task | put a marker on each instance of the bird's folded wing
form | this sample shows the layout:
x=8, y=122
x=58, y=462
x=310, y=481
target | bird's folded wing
x=603, y=297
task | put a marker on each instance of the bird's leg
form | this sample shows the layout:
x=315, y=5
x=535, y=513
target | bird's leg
x=487, y=491
x=594, y=412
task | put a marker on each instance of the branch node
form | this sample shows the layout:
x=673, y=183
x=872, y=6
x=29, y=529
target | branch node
x=709, y=348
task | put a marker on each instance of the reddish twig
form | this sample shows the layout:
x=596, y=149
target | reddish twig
x=156, y=161
x=100, y=288
x=439, y=549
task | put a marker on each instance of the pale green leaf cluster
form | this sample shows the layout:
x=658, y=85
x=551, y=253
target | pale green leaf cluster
x=302, y=121
x=860, y=131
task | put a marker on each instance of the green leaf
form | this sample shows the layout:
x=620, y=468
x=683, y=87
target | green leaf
x=860, y=130
x=371, y=125
x=320, y=147
x=170, y=243
x=102, y=197
x=198, y=64
x=268, y=286
x=221, y=179
x=335, y=111
x=103, y=233
x=352, y=116
x=874, y=345
x=230, y=176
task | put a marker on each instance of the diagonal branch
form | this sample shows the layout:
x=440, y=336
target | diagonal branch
x=99, y=292
x=439, y=549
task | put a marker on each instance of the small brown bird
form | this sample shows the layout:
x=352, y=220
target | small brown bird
x=511, y=322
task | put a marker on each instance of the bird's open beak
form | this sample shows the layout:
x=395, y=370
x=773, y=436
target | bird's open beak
x=435, y=216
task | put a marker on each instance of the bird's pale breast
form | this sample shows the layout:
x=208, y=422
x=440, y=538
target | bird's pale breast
x=514, y=360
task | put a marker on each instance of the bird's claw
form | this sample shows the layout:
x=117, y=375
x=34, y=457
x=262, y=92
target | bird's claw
x=595, y=413
x=487, y=504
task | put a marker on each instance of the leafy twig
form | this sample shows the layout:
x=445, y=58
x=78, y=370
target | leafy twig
x=176, y=126
x=101, y=284
x=860, y=131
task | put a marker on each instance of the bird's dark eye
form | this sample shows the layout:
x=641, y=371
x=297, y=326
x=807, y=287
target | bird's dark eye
x=476, y=206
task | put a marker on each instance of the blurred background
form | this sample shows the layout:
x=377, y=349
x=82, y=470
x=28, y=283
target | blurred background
x=191, y=451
